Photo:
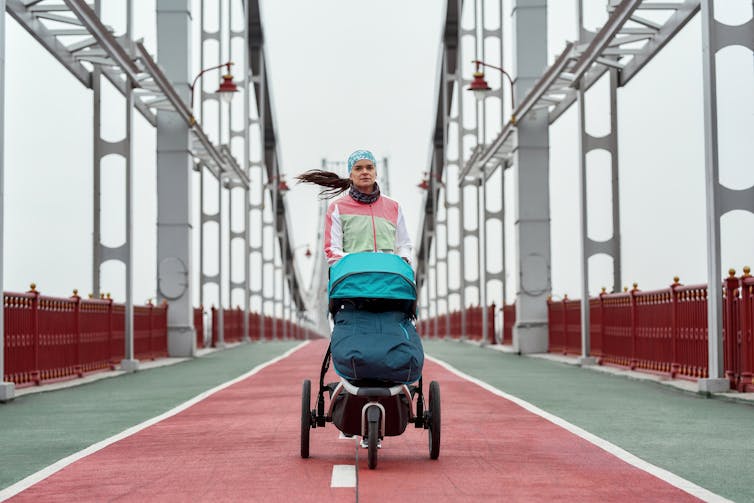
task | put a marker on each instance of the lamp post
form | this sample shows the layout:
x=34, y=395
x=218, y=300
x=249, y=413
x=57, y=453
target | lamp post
x=277, y=186
x=307, y=253
x=225, y=91
x=281, y=185
x=424, y=184
x=481, y=88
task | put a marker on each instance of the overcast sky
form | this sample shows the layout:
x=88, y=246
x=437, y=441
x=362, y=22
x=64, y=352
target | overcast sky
x=361, y=74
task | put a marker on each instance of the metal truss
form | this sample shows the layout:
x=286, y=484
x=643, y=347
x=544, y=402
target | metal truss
x=72, y=32
x=270, y=161
x=484, y=215
x=590, y=247
x=102, y=253
x=622, y=47
x=720, y=199
x=452, y=83
x=222, y=183
x=626, y=42
x=449, y=78
x=119, y=59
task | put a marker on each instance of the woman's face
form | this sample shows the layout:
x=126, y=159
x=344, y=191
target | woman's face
x=363, y=175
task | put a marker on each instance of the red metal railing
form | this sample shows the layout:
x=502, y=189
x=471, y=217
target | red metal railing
x=50, y=338
x=565, y=330
x=199, y=326
x=509, y=319
x=745, y=383
x=426, y=326
x=233, y=327
x=150, y=332
x=663, y=331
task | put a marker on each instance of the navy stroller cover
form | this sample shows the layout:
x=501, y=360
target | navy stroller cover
x=367, y=342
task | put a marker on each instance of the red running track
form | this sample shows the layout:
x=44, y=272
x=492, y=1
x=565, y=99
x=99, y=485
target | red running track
x=242, y=444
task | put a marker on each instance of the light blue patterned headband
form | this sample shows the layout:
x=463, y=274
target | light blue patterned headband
x=358, y=156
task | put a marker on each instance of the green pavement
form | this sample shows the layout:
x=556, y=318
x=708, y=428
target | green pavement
x=38, y=429
x=707, y=441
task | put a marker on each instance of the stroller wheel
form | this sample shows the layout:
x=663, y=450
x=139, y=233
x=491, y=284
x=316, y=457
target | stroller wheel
x=306, y=417
x=373, y=439
x=434, y=420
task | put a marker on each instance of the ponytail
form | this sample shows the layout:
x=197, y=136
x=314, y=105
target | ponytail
x=334, y=184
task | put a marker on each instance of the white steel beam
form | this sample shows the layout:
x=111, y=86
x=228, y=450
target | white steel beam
x=48, y=40
x=119, y=59
x=665, y=34
x=105, y=39
x=607, y=33
x=7, y=389
x=271, y=156
x=204, y=148
x=716, y=36
x=585, y=65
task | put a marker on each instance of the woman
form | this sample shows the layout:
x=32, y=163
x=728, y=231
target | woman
x=386, y=348
x=362, y=219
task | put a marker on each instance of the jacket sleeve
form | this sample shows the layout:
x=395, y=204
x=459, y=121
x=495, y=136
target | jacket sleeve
x=403, y=244
x=333, y=235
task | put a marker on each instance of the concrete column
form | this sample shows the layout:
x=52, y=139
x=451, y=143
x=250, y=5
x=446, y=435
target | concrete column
x=174, y=232
x=532, y=216
x=7, y=389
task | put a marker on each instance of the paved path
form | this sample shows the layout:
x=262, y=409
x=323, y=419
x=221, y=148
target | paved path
x=241, y=444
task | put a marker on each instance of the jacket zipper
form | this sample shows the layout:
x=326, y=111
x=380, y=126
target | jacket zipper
x=374, y=227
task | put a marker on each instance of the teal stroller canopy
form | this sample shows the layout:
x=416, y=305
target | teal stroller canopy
x=372, y=275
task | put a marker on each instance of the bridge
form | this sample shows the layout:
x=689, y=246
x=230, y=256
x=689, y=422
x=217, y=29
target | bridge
x=583, y=215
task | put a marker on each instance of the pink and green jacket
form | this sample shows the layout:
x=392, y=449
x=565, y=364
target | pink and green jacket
x=352, y=227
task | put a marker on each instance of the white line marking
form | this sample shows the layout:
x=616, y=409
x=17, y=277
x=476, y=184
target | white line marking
x=343, y=476
x=42, y=474
x=660, y=473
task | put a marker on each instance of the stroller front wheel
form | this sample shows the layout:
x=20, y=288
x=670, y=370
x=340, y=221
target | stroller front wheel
x=434, y=420
x=373, y=439
x=306, y=417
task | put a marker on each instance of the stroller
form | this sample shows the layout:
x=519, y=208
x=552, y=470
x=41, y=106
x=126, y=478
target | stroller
x=377, y=353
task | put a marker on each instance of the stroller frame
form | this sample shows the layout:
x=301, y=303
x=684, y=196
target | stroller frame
x=374, y=282
x=373, y=413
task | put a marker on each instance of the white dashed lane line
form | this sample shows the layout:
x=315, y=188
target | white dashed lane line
x=343, y=476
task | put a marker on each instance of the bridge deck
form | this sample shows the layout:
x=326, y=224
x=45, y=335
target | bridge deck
x=241, y=443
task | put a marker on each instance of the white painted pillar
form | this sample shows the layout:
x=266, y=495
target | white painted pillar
x=716, y=380
x=174, y=165
x=7, y=389
x=532, y=217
